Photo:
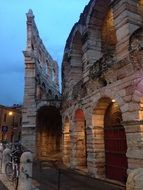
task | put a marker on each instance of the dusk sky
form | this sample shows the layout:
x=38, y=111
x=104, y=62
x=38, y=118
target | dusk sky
x=54, y=19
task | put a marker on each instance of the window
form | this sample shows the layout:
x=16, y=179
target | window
x=53, y=75
x=46, y=67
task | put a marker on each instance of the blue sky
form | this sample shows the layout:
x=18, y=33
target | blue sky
x=54, y=19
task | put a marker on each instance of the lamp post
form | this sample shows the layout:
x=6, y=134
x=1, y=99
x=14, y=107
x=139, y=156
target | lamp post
x=10, y=113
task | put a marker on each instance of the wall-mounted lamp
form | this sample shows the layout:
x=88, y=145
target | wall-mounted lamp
x=10, y=113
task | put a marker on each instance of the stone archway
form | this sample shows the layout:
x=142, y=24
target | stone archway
x=66, y=142
x=115, y=144
x=110, y=141
x=80, y=140
x=48, y=133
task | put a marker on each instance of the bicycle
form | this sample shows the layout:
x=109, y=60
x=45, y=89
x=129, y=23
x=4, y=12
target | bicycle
x=12, y=167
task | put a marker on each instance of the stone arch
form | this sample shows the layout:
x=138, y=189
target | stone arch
x=97, y=5
x=49, y=94
x=56, y=97
x=76, y=56
x=108, y=34
x=66, y=142
x=72, y=62
x=48, y=133
x=136, y=40
x=102, y=23
x=107, y=112
x=65, y=69
x=80, y=143
x=100, y=34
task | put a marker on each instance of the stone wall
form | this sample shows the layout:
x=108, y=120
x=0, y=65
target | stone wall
x=41, y=82
x=111, y=71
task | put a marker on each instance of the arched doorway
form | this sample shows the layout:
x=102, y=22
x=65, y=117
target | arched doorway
x=48, y=133
x=66, y=143
x=110, y=144
x=80, y=139
x=115, y=144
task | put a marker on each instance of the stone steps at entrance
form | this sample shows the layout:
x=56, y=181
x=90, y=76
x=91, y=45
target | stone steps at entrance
x=48, y=178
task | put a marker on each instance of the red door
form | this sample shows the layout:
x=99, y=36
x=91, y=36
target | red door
x=115, y=145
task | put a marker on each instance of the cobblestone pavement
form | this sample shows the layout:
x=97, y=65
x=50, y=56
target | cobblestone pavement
x=2, y=186
x=49, y=178
x=5, y=184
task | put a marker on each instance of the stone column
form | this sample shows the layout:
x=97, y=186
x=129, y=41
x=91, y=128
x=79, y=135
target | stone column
x=90, y=148
x=73, y=159
x=135, y=180
x=127, y=20
x=134, y=135
x=25, y=178
x=29, y=105
x=5, y=158
x=1, y=154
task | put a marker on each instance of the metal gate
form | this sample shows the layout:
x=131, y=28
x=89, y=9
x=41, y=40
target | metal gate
x=115, y=145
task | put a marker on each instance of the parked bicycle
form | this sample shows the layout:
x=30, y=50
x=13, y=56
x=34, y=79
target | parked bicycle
x=12, y=167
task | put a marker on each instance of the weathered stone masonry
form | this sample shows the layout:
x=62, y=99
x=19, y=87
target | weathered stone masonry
x=102, y=75
x=102, y=90
x=41, y=93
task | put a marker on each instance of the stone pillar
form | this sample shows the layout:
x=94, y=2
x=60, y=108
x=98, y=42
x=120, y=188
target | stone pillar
x=5, y=158
x=127, y=20
x=1, y=154
x=135, y=180
x=25, y=178
x=73, y=159
x=66, y=145
x=29, y=105
x=134, y=135
x=90, y=148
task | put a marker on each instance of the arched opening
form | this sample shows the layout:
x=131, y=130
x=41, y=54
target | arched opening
x=66, y=143
x=80, y=140
x=49, y=94
x=110, y=141
x=76, y=58
x=115, y=144
x=49, y=132
x=39, y=92
x=108, y=34
x=56, y=97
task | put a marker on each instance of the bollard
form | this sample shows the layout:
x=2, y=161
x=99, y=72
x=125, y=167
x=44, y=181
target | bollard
x=5, y=158
x=1, y=152
x=135, y=180
x=25, y=178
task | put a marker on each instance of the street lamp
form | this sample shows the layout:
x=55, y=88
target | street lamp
x=10, y=113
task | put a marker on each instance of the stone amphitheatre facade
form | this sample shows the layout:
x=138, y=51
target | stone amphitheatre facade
x=102, y=89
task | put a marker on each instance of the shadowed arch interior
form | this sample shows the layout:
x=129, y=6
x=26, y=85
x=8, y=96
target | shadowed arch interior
x=76, y=58
x=49, y=131
x=115, y=144
x=109, y=140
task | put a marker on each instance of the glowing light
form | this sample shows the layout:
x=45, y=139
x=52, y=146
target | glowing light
x=10, y=113
x=113, y=100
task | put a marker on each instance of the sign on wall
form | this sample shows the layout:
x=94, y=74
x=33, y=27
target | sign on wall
x=4, y=129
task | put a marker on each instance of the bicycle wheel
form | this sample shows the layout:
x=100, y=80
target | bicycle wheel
x=9, y=171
